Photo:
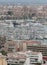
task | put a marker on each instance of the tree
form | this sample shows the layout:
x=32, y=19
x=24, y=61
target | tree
x=10, y=13
x=3, y=52
x=2, y=41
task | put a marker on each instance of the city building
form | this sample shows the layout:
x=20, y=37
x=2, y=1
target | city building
x=11, y=46
x=34, y=45
x=23, y=30
x=38, y=48
x=25, y=58
x=34, y=58
x=17, y=58
x=19, y=45
x=24, y=45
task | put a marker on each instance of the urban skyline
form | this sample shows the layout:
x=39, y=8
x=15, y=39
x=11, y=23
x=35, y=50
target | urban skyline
x=23, y=32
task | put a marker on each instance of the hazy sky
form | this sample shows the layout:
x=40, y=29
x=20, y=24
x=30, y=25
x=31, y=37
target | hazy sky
x=25, y=1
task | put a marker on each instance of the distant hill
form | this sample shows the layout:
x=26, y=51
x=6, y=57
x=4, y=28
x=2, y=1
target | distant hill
x=23, y=2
